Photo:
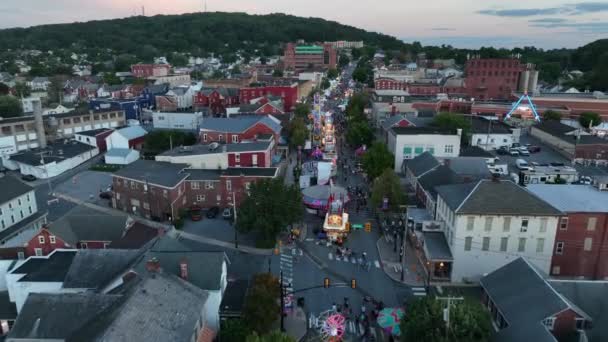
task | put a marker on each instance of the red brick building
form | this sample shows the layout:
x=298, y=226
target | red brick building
x=288, y=92
x=44, y=243
x=581, y=242
x=95, y=137
x=150, y=70
x=162, y=190
x=216, y=99
x=304, y=57
x=235, y=130
x=450, y=86
x=492, y=78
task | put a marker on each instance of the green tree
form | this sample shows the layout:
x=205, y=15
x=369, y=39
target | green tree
x=110, y=78
x=453, y=121
x=387, y=185
x=22, y=90
x=343, y=60
x=277, y=73
x=359, y=133
x=10, y=106
x=274, y=336
x=235, y=70
x=298, y=132
x=332, y=74
x=178, y=59
x=156, y=142
x=262, y=307
x=218, y=74
x=302, y=110
x=325, y=83
x=55, y=89
x=469, y=322
x=356, y=107
x=270, y=207
x=552, y=115
x=589, y=118
x=377, y=159
x=233, y=330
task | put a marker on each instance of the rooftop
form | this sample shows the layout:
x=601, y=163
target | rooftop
x=56, y=152
x=441, y=175
x=12, y=188
x=494, y=197
x=422, y=131
x=475, y=151
x=482, y=125
x=132, y=132
x=95, y=132
x=217, y=148
x=96, y=268
x=422, y=164
x=572, y=197
x=85, y=224
x=436, y=247
x=238, y=124
x=50, y=268
x=159, y=173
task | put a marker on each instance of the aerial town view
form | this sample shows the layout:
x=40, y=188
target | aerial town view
x=282, y=171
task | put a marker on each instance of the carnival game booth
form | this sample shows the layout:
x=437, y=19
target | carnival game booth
x=316, y=198
x=336, y=220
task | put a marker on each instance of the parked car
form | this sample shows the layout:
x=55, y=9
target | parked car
x=503, y=150
x=524, y=151
x=515, y=145
x=514, y=152
x=227, y=214
x=522, y=164
x=534, y=149
x=212, y=212
x=105, y=195
x=29, y=178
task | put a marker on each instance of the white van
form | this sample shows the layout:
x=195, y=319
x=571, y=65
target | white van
x=522, y=164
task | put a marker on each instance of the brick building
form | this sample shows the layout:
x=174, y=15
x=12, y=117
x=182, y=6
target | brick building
x=235, y=130
x=581, y=242
x=216, y=99
x=303, y=57
x=451, y=86
x=161, y=190
x=287, y=90
x=492, y=78
x=150, y=70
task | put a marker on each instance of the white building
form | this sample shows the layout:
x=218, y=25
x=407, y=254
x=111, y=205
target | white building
x=173, y=80
x=490, y=223
x=492, y=134
x=127, y=137
x=178, y=120
x=409, y=142
x=57, y=110
x=39, y=83
x=18, y=209
x=29, y=104
x=121, y=156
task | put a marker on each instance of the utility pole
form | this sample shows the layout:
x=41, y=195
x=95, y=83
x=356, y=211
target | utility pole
x=236, y=233
x=282, y=301
x=48, y=179
x=446, y=312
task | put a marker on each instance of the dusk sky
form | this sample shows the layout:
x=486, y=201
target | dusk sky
x=461, y=23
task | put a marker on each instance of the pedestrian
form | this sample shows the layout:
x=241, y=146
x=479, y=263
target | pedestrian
x=333, y=307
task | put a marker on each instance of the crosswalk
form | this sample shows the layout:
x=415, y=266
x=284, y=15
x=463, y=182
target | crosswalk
x=419, y=291
x=286, y=267
x=351, y=260
x=351, y=327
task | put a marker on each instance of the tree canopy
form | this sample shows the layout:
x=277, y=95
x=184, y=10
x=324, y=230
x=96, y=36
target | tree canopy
x=387, y=185
x=552, y=115
x=589, y=118
x=159, y=141
x=359, y=133
x=262, y=307
x=376, y=159
x=270, y=207
x=10, y=106
x=453, y=121
x=298, y=132
x=22, y=90
x=332, y=74
x=274, y=336
x=302, y=110
x=234, y=330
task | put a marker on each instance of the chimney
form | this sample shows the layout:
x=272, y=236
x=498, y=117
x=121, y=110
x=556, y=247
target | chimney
x=39, y=124
x=153, y=265
x=183, y=269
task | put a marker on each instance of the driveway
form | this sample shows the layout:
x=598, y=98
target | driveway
x=218, y=229
x=86, y=186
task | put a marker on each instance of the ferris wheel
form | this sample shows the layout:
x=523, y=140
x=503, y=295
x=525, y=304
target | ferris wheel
x=332, y=326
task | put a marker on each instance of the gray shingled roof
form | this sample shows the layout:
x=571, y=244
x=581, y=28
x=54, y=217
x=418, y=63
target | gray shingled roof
x=499, y=197
x=472, y=167
x=48, y=316
x=12, y=188
x=442, y=175
x=86, y=224
x=206, y=149
x=159, y=309
x=160, y=173
x=422, y=163
x=238, y=124
x=454, y=194
x=95, y=268
x=51, y=268
x=482, y=125
x=524, y=299
x=572, y=197
x=436, y=247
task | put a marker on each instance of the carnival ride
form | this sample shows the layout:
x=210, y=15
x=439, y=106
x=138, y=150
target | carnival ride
x=332, y=326
x=524, y=111
x=336, y=219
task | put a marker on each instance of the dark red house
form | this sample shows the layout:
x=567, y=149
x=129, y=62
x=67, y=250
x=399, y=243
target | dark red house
x=94, y=137
x=216, y=99
x=235, y=130
x=288, y=93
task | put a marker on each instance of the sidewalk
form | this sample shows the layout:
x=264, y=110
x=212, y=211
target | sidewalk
x=393, y=268
x=224, y=244
x=296, y=324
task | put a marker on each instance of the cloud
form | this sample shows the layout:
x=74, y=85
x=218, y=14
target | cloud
x=595, y=27
x=443, y=29
x=548, y=20
x=568, y=9
x=522, y=12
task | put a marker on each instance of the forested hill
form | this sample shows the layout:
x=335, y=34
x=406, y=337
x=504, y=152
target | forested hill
x=199, y=33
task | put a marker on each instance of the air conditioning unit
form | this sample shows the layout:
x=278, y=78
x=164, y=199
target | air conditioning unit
x=213, y=146
x=431, y=226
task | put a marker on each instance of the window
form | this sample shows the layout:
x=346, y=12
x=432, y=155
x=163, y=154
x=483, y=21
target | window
x=19, y=201
x=52, y=239
x=220, y=137
x=449, y=149
x=504, y=243
x=506, y=224
x=470, y=223
x=235, y=139
x=218, y=197
x=591, y=223
x=146, y=205
x=540, y=245
x=1, y=211
x=204, y=137
x=21, y=213
x=10, y=205
x=200, y=198
x=208, y=185
x=488, y=224
x=486, y=244
x=20, y=255
x=41, y=240
x=524, y=225
x=418, y=150
x=228, y=185
x=563, y=223
x=84, y=245
x=556, y=270
x=3, y=225
x=12, y=219
x=543, y=225
x=549, y=322
x=467, y=243
x=237, y=158
x=559, y=248
x=165, y=193
x=195, y=185
x=521, y=247
x=588, y=244
x=38, y=251
x=133, y=185
x=407, y=150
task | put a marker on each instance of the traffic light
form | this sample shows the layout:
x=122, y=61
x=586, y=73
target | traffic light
x=347, y=226
x=326, y=283
x=353, y=283
x=368, y=227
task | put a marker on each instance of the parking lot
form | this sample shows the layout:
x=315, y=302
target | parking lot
x=545, y=156
x=218, y=229
x=86, y=186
